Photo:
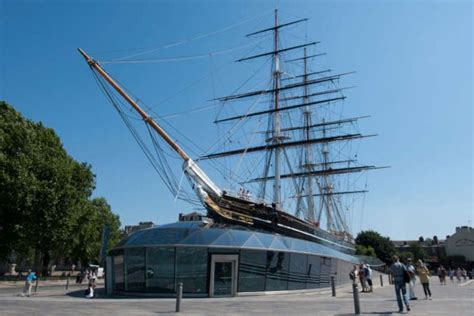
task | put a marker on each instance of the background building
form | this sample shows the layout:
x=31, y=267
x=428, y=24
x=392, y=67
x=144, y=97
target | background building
x=461, y=243
x=133, y=228
x=434, y=249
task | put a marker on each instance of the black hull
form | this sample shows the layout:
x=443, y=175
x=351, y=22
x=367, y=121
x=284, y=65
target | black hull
x=239, y=211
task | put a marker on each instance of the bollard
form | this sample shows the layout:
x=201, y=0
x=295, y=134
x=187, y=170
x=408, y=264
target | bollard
x=67, y=281
x=333, y=286
x=355, y=291
x=381, y=280
x=36, y=284
x=178, y=297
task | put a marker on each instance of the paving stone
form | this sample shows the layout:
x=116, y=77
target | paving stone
x=455, y=299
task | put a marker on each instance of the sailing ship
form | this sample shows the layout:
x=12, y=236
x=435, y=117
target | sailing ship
x=314, y=191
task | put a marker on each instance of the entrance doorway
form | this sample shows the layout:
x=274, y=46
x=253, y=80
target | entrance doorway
x=223, y=275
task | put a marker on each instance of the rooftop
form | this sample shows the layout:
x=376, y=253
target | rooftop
x=200, y=233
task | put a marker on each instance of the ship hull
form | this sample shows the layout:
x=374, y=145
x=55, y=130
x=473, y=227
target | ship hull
x=240, y=211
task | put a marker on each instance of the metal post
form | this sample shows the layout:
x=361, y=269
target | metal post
x=36, y=284
x=381, y=280
x=355, y=291
x=333, y=286
x=178, y=297
x=67, y=281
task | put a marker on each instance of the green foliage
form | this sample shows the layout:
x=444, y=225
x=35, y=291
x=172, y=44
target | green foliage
x=365, y=251
x=405, y=255
x=44, y=193
x=417, y=251
x=382, y=246
x=94, y=215
x=451, y=261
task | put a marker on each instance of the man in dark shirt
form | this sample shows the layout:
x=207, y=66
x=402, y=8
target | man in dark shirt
x=397, y=270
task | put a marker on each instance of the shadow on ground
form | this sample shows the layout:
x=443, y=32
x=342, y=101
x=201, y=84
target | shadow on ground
x=81, y=293
x=368, y=313
x=103, y=295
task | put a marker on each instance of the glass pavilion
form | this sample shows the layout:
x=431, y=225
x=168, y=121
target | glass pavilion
x=218, y=260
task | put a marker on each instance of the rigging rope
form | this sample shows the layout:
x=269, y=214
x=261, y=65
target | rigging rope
x=175, y=44
x=161, y=166
x=173, y=59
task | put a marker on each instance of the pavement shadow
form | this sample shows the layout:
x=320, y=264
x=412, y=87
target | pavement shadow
x=368, y=313
x=81, y=293
x=101, y=293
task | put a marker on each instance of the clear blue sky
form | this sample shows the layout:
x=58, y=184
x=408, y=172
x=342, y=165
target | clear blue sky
x=414, y=63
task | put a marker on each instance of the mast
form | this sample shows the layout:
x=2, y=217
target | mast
x=191, y=169
x=308, y=154
x=326, y=198
x=95, y=65
x=276, y=128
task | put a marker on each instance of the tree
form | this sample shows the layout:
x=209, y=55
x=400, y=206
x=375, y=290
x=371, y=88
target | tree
x=43, y=191
x=365, y=251
x=403, y=256
x=95, y=214
x=417, y=251
x=421, y=239
x=383, y=247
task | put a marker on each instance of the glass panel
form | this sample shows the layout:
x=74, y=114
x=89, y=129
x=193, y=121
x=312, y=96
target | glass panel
x=118, y=273
x=298, y=271
x=252, y=269
x=223, y=278
x=191, y=269
x=203, y=237
x=253, y=242
x=314, y=270
x=265, y=239
x=287, y=241
x=160, y=270
x=240, y=237
x=135, y=269
x=277, y=271
x=299, y=245
x=278, y=244
x=333, y=269
x=225, y=239
x=325, y=272
x=343, y=270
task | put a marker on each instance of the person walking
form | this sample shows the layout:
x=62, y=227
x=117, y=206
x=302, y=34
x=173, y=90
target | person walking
x=362, y=279
x=458, y=274
x=353, y=274
x=443, y=274
x=424, y=274
x=398, y=270
x=451, y=274
x=412, y=272
x=368, y=277
x=30, y=278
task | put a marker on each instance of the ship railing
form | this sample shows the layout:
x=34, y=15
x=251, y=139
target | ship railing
x=247, y=197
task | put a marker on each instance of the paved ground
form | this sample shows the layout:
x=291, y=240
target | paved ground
x=454, y=299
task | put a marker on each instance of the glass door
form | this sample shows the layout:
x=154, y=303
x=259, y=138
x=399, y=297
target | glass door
x=223, y=280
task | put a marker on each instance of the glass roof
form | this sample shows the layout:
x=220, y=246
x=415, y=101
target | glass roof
x=219, y=236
